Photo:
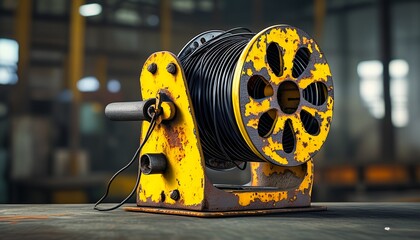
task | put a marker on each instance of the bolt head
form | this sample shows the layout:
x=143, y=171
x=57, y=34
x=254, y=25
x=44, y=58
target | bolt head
x=175, y=195
x=152, y=68
x=171, y=68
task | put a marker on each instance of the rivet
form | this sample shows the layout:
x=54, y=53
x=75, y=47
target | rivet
x=175, y=195
x=152, y=68
x=171, y=68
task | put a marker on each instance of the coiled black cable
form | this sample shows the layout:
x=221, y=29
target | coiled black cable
x=209, y=71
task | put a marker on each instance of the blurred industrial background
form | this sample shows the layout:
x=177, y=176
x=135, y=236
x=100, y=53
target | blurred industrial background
x=62, y=61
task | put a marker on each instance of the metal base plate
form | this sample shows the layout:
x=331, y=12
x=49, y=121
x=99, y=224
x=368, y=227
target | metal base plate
x=190, y=213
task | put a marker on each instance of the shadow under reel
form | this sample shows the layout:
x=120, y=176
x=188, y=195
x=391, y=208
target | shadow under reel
x=232, y=99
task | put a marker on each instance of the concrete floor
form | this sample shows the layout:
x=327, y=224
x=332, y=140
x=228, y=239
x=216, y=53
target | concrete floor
x=340, y=221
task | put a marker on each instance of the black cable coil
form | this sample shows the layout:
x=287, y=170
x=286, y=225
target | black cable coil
x=209, y=71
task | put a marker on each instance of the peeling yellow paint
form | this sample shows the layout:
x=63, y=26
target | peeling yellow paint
x=307, y=183
x=256, y=108
x=249, y=72
x=179, y=142
x=307, y=144
x=268, y=169
x=257, y=54
x=279, y=124
x=253, y=123
x=271, y=151
x=318, y=50
x=320, y=73
x=288, y=39
x=246, y=198
x=254, y=175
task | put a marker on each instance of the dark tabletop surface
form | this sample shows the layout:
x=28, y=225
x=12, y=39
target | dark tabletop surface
x=341, y=221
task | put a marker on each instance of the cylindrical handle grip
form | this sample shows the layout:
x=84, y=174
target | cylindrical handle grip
x=129, y=111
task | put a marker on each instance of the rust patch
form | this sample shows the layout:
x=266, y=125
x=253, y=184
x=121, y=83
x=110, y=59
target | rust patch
x=173, y=136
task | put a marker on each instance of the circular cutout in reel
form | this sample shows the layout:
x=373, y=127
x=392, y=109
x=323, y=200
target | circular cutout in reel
x=285, y=116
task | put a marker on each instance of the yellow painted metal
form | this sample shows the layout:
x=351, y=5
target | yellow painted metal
x=255, y=53
x=263, y=170
x=268, y=169
x=169, y=110
x=178, y=140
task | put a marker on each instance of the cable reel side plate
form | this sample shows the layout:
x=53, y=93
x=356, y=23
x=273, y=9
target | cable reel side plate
x=283, y=96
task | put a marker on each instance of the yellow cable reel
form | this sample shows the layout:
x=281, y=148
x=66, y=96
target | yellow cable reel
x=283, y=96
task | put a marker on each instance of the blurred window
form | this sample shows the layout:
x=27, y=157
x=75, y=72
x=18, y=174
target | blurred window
x=89, y=10
x=371, y=89
x=185, y=6
x=88, y=84
x=113, y=86
x=9, y=57
x=127, y=16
